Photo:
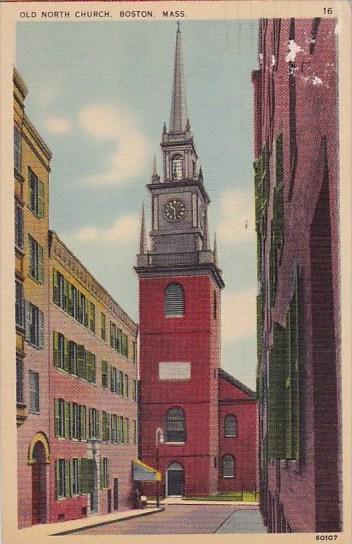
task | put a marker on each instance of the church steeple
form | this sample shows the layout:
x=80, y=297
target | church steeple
x=178, y=116
x=179, y=235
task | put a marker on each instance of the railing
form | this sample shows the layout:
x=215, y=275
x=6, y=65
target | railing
x=174, y=259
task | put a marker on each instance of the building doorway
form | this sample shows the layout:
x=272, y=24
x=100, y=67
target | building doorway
x=175, y=480
x=38, y=484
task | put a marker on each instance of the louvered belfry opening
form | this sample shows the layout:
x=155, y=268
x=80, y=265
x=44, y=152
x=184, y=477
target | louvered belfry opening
x=174, y=300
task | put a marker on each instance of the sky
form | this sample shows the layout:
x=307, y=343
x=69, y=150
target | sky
x=99, y=93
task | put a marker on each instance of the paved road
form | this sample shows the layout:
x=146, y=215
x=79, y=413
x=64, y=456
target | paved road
x=179, y=519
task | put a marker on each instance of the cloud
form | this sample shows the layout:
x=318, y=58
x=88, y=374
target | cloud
x=106, y=122
x=239, y=315
x=123, y=230
x=237, y=213
x=58, y=125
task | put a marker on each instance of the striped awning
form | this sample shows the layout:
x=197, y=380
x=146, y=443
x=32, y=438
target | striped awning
x=144, y=473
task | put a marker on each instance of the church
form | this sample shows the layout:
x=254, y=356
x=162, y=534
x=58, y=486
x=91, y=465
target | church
x=197, y=423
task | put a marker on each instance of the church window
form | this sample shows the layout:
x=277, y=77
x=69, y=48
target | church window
x=215, y=306
x=228, y=466
x=230, y=426
x=174, y=300
x=175, y=425
x=177, y=167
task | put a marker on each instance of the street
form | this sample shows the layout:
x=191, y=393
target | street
x=187, y=519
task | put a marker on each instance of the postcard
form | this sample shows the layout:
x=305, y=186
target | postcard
x=175, y=271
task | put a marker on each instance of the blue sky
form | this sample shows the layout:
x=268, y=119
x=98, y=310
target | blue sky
x=99, y=94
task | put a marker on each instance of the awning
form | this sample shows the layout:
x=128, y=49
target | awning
x=145, y=473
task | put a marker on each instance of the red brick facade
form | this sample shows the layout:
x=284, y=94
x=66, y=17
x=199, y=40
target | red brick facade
x=296, y=152
x=238, y=401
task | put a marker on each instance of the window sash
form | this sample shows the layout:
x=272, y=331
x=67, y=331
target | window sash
x=228, y=466
x=17, y=137
x=19, y=226
x=33, y=391
x=19, y=380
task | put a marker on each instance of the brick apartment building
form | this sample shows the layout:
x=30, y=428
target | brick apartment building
x=76, y=361
x=296, y=190
x=206, y=418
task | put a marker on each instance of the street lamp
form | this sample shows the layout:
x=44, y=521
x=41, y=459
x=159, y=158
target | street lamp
x=159, y=439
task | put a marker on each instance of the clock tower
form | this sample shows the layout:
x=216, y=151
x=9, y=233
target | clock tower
x=179, y=288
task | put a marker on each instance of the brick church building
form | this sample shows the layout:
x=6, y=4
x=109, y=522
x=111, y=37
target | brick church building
x=197, y=423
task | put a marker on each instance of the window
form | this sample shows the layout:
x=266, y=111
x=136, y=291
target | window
x=81, y=362
x=91, y=316
x=134, y=352
x=19, y=381
x=120, y=382
x=33, y=391
x=90, y=366
x=75, y=476
x=103, y=326
x=105, y=426
x=104, y=375
x=83, y=423
x=104, y=473
x=174, y=300
x=175, y=425
x=19, y=305
x=94, y=428
x=228, y=466
x=17, y=149
x=60, y=478
x=18, y=226
x=125, y=430
x=36, y=260
x=134, y=431
x=119, y=429
x=114, y=428
x=177, y=167
x=230, y=426
x=215, y=305
x=134, y=390
x=34, y=325
x=60, y=417
x=36, y=194
x=73, y=357
x=125, y=386
x=124, y=346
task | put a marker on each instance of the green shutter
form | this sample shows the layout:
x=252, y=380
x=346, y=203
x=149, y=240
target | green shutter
x=56, y=297
x=276, y=397
x=70, y=298
x=67, y=420
x=57, y=417
x=67, y=359
x=68, y=482
x=57, y=478
x=81, y=362
x=56, y=353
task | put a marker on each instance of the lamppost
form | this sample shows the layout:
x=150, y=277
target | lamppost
x=159, y=439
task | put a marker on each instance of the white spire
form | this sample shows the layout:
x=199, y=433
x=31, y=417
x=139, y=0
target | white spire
x=178, y=115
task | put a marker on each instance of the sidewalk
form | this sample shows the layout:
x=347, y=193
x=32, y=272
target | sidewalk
x=179, y=500
x=66, y=527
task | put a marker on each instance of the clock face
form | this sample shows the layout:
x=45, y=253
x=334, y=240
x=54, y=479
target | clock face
x=175, y=210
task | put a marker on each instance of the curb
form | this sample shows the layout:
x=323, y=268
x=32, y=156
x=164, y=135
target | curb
x=100, y=523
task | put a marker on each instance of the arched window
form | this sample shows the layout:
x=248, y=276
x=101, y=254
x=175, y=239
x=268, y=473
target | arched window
x=228, y=466
x=175, y=425
x=230, y=426
x=177, y=167
x=174, y=299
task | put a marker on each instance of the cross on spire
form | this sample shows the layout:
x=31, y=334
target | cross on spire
x=178, y=115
